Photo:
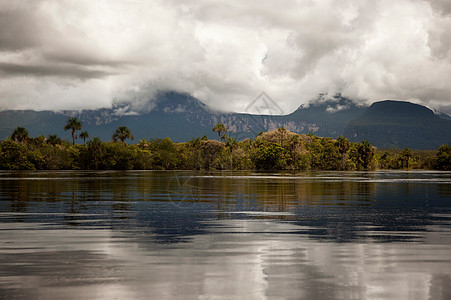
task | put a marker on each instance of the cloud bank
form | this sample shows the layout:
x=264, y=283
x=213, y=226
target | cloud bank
x=77, y=54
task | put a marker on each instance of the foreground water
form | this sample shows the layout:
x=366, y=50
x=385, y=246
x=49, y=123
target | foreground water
x=228, y=235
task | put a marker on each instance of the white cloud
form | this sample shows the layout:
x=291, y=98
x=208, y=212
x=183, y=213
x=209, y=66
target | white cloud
x=59, y=54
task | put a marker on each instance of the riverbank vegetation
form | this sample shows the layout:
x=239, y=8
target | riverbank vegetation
x=279, y=149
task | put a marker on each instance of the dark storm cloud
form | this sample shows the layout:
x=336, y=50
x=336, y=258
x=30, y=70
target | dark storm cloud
x=51, y=70
x=76, y=58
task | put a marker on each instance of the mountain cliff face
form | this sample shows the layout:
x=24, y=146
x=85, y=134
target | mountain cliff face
x=398, y=124
x=182, y=117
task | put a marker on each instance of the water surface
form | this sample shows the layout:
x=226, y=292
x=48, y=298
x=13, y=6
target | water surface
x=225, y=235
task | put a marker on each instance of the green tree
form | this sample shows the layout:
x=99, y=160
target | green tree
x=118, y=156
x=95, y=149
x=143, y=144
x=219, y=128
x=15, y=156
x=20, y=135
x=405, y=157
x=443, y=158
x=323, y=154
x=164, y=154
x=122, y=133
x=362, y=155
x=231, y=144
x=385, y=161
x=191, y=154
x=211, y=152
x=296, y=148
x=73, y=124
x=38, y=141
x=84, y=135
x=269, y=156
x=54, y=140
x=343, y=147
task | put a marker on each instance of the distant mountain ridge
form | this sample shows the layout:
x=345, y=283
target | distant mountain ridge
x=182, y=117
x=400, y=124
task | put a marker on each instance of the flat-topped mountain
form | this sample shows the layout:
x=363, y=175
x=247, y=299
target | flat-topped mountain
x=399, y=124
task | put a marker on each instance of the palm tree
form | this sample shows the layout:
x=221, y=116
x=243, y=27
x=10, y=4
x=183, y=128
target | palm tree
x=219, y=128
x=20, y=135
x=122, y=133
x=84, y=135
x=73, y=124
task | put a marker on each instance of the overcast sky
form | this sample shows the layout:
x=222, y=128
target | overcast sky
x=73, y=54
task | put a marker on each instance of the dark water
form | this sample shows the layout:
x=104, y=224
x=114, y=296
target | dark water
x=229, y=235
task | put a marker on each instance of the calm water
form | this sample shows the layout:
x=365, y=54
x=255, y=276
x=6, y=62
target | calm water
x=225, y=235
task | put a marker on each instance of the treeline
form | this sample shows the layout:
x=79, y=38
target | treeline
x=275, y=150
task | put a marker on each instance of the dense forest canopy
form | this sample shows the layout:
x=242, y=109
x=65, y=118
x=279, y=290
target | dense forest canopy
x=279, y=149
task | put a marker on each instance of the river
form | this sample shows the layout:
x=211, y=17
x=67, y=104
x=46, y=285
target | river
x=225, y=235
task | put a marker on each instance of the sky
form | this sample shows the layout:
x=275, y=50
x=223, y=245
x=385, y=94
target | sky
x=83, y=54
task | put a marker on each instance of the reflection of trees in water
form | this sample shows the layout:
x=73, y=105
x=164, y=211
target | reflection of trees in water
x=341, y=210
x=280, y=195
x=17, y=193
x=27, y=188
x=272, y=194
x=444, y=191
x=331, y=206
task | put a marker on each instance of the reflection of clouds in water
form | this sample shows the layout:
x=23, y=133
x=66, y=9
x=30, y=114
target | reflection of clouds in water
x=240, y=258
